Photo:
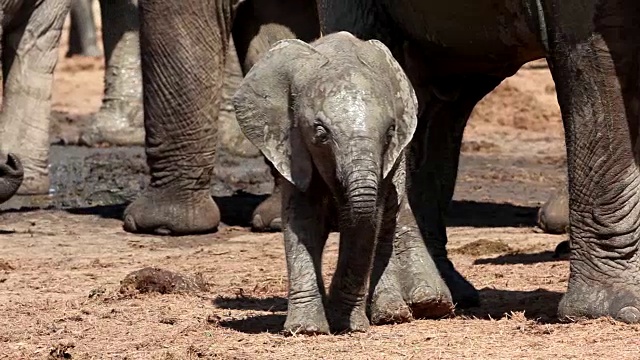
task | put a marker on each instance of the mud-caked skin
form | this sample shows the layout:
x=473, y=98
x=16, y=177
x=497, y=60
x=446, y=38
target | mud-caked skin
x=334, y=118
x=29, y=38
x=182, y=94
x=454, y=58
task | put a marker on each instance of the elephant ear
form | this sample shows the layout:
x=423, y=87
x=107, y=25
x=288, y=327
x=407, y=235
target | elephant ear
x=263, y=104
x=406, y=106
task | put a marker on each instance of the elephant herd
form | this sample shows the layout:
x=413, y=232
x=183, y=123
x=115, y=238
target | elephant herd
x=365, y=121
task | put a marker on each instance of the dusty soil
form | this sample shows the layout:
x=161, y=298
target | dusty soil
x=69, y=287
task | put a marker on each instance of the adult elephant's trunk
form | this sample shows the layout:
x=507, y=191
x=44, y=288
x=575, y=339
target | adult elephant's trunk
x=11, y=175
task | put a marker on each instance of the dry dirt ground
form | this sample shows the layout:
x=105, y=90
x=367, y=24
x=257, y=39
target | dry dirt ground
x=65, y=293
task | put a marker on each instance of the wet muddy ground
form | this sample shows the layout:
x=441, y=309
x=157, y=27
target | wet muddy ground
x=74, y=285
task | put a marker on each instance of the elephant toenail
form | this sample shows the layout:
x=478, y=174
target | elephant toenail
x=629, y=314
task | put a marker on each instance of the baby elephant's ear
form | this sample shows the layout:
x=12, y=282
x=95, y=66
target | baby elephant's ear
x=263, y=109
x=406, y=115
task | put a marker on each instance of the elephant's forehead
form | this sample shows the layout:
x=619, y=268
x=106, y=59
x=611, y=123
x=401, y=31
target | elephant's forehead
x=349, y=106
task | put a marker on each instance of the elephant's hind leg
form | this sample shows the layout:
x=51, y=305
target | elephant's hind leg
x=120, y=118
x=258, y=25
x=183, y=59
x=595, y=68
x=435, y=152
x=30, y=53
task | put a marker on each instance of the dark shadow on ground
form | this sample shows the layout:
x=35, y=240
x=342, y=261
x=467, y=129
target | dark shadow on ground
x=104, y=211
x=235, y=210
x=271, y=323
x=517, y=258
x=253, y=324
x=485, y=214
x=540, y=305
x=274, y=303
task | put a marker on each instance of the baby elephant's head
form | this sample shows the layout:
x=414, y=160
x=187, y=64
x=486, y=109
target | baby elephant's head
x=341, y=105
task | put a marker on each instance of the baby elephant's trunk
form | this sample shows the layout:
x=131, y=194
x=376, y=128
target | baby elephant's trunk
x=362, y=190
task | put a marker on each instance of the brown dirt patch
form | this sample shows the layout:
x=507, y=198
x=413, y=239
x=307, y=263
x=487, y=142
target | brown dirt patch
x=162, y=281
x=482, y=247
x=63, y=299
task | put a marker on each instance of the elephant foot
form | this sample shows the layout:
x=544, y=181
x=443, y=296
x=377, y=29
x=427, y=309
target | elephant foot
x=464, y=294
x=346, y=317
x=411, y=293
x=553, y=216
x=388, y=306
x=267, y=216
x=306, y=319
x=170, y=212
x=35, y=185
x=584, y=299
x=117, y=125
x=428, y=303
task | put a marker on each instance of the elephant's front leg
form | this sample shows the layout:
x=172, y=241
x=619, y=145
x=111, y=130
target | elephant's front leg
x=349, y=288
x=595, y=67
x=29, y=55
x=435, y=152
x=305, y=233
x=183, y=46
x=405, y=281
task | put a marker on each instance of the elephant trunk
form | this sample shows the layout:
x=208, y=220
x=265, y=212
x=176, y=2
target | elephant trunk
x=362, y=190
x=11, y=175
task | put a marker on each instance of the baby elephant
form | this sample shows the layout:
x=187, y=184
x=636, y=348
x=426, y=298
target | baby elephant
x=334, y=118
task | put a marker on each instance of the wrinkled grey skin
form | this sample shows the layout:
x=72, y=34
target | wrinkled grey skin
x=182, y=94
x=334, y=117
x=30, y=35
x=123, y=99
x=591, y=47
x=119, y=121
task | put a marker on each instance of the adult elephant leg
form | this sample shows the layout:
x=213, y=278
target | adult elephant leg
x=82, y=33
x=435, y=154
x=258, y=25
x=553, y=216
x=595, y=67
x=119, y=120
x=182, y=68
x=29, y=57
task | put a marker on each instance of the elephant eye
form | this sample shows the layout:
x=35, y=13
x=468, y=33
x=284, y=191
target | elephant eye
x=321, y=134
